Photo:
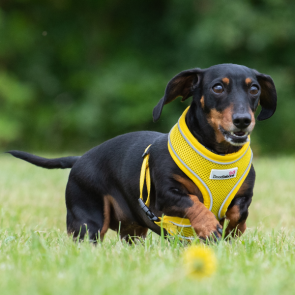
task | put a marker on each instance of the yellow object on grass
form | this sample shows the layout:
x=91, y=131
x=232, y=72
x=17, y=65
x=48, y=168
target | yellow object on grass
x=200, y=261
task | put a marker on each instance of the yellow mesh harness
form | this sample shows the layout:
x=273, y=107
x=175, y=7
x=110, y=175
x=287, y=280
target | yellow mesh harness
x=218, y=177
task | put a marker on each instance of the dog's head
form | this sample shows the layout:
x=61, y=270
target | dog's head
x=227, y=95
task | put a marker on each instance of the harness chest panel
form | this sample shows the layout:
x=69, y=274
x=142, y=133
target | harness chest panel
x=218, y=177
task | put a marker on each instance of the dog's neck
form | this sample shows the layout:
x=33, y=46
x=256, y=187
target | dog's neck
x=198, y=125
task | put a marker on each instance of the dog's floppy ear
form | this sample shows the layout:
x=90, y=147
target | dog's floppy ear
x=268, y=96
x=182, y=85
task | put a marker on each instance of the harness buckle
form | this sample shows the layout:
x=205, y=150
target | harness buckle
x=147, y=211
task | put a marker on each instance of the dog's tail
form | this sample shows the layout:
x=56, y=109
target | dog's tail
x=65, y=162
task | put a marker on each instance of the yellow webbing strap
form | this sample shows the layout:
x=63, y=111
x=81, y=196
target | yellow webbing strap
x=173, y=225
x=145, y=174
x=177, y=226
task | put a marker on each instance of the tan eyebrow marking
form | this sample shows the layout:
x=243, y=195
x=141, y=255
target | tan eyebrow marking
x=248, y=80
x=225, y=80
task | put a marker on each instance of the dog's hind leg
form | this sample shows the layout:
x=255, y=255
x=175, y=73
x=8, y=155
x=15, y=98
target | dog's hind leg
x=106, y=216
x=86, y=212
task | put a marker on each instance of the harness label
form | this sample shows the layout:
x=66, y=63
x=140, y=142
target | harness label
x=220, y=174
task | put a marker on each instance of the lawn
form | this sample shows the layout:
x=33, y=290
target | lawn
x=37, y=256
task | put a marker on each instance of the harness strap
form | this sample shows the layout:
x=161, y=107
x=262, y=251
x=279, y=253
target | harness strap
x=145, y=174
x=173, y=225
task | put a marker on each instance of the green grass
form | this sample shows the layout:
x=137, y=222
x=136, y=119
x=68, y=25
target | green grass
x=37, y=256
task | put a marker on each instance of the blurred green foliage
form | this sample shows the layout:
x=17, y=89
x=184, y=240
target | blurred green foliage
x=75, y=73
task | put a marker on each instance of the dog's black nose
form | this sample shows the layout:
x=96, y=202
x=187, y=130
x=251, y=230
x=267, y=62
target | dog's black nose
x=242, y=121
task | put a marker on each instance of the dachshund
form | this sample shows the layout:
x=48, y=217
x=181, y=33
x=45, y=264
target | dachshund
x=103, y=187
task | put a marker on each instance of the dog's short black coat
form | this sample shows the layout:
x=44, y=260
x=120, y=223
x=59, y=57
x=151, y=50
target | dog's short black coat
x=103, y=187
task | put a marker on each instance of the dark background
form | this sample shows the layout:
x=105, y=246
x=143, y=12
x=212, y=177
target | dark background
x=76, y=73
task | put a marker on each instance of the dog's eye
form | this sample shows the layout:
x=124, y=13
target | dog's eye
x=254, y=89
x=218, y=88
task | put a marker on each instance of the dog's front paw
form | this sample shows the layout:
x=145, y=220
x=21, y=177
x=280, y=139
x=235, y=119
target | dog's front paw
x=203, y=221
x=209, y=229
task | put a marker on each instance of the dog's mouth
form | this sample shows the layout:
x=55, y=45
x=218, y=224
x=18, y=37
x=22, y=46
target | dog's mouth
x=235, y=137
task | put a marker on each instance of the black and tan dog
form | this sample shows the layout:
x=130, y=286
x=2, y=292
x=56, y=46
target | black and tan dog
x=103, y=187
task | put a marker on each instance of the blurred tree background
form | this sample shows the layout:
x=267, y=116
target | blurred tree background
x=76, y=73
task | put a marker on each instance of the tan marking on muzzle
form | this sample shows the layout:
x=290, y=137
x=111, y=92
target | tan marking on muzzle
x=202, y=101
x=252, y=121
x=223, y=119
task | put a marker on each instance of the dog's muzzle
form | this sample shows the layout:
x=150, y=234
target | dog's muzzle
x=236, y=138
